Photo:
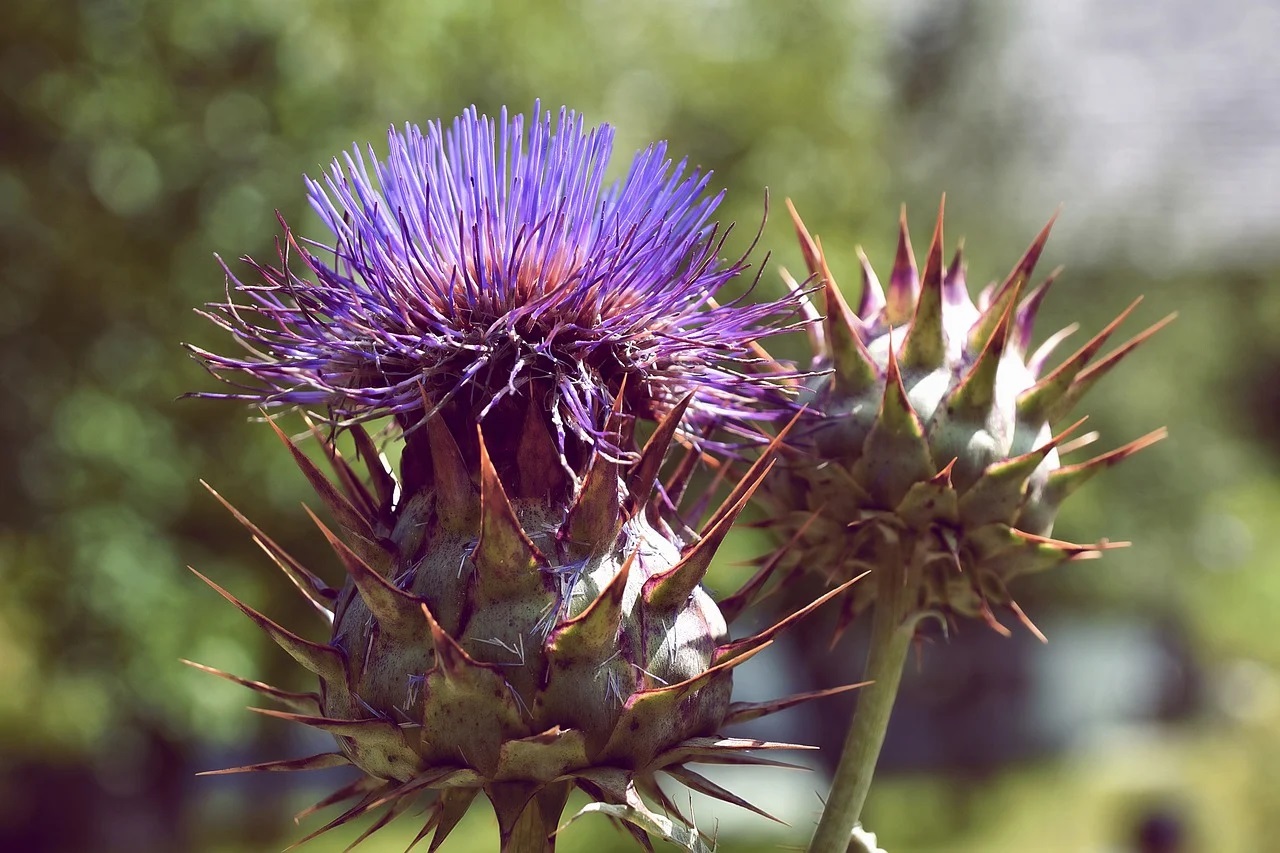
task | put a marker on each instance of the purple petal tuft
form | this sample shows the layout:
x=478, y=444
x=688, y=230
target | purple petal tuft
x=485, y=260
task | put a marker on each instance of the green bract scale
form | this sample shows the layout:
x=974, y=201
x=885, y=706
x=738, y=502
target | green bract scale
x=928, y=443
x=491, y=638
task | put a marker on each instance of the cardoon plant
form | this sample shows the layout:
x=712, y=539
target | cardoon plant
x=927, y=455
x=519, y=617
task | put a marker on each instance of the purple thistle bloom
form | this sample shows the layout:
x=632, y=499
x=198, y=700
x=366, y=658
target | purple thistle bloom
x=488, y=261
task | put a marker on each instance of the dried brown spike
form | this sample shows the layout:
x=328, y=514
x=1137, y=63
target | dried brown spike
x=1091, y=374
x=303, y=703
x=433, y=817
x=731, y=606
x=648, y=785
x=1035, y=401
x=322, y=761
x=670, y=589
x=357, y=788
x=808, y=247
x=454, y=803
x=703, y=785
x=343, y=510
x=355, y=490
x=676, y=484
x=396, y=611
x=1068, y=478
x=394, y=810
x=750, y=645
x=324, y=661
x=505, y=557
x=742, y=712
x=315, y=590
x=855, y=369
x=924, y=346
x=360, y=808
x=754, y=474
x=904, y=281
x=384, y=484
x=334, y=726
x=1022, y=270
x=645, y=473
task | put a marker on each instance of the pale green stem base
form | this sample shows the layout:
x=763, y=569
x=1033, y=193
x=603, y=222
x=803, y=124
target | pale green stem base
x=526, y=823
x=891, y=634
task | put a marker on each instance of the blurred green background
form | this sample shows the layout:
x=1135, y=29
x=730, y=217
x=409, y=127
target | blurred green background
x=141, y=137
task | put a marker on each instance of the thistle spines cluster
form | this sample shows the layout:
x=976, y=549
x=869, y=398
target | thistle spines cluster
x=933, y=431
x=487, y=669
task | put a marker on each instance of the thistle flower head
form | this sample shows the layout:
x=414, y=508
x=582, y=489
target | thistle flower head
x=518, y=617
x=930, y=449
x=488, y=260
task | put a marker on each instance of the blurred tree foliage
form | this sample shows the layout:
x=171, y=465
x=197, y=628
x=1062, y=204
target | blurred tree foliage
x=140, y=137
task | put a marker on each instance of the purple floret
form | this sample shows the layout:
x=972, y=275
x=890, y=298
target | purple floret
x=489, y=259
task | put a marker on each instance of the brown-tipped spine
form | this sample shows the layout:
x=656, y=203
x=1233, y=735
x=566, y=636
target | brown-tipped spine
x=453, y=488
x=1036, y=401
x=397, y=612
x=925, y=347
x=645, y=473
x=593, y=633
x=895, y=454
x=1064, y=481
x=998, y=493
x=745, y=712
x=750, y=645
x=343, y=510
x=904, y=280
x=670, y=589
x=313, y=589
x=302, y=703
x=539, y=468
x=384, y=484
x=1023, y=269
x=975, y=396
x=1091, y=374
x=324, y=661
x=506, y=560
x=855, y=370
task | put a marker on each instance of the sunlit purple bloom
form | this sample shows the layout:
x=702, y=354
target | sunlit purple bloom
x=489, y=260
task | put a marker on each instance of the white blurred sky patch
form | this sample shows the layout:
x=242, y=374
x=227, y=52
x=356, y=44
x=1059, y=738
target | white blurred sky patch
x=1156, y=123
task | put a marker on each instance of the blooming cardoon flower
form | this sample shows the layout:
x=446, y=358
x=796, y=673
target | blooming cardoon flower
x=477, y=260
x=518, y=618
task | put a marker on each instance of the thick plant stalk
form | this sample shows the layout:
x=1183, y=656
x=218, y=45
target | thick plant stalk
x=892, y=629
x=527, y=825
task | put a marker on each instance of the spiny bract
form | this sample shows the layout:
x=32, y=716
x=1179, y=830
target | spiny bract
x=927, y=447
x=518, y=618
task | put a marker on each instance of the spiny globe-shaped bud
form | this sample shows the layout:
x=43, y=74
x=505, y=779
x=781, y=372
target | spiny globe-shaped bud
x=518, y=619
x=928, y=447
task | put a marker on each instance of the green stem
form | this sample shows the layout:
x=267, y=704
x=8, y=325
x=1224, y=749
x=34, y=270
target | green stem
x=891, y=634
x=528, y=815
